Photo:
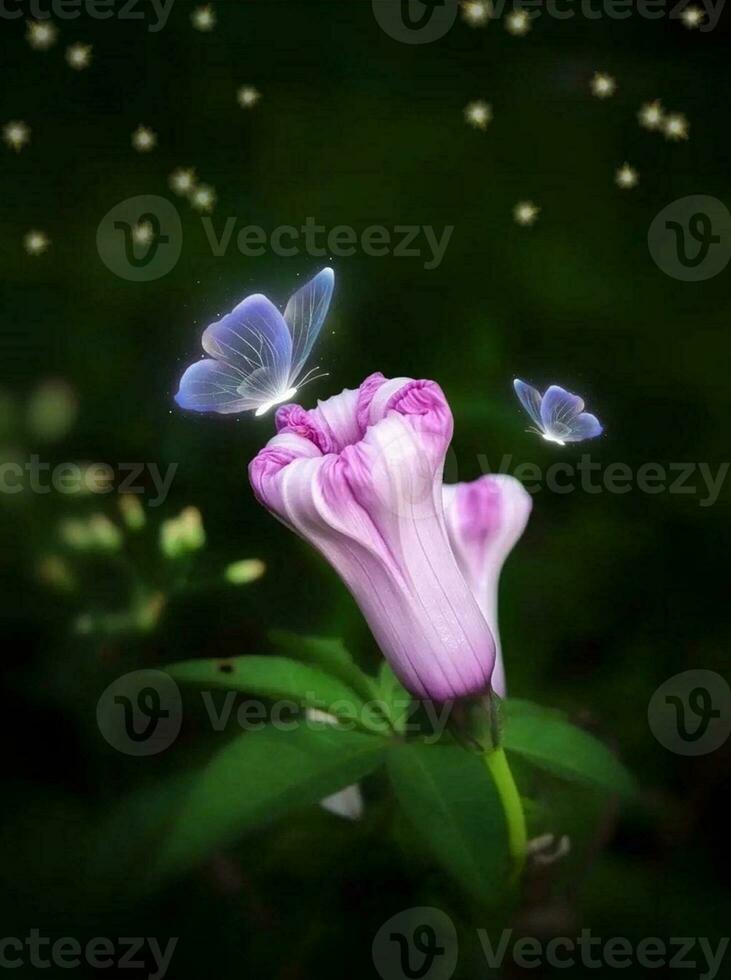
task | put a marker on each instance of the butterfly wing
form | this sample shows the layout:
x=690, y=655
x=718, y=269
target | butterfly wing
x=530, y=399
x=305, y=314
x=584, y=426
x=250, y=361
x=563, y=416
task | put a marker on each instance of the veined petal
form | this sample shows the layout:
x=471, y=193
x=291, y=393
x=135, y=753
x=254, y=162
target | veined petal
x=373, y=508
x=485, y=519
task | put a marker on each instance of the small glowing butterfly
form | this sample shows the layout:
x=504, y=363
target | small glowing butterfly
x=257, y=355
x=558, y=415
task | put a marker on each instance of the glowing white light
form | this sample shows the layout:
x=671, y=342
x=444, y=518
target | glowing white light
x=651, y=115
x=603, y=86
x=692, y=17
x=476, y=13
x=478, y=114
x=247, y=96
x=78, y=56
x=203, y=18
x=525, y=213
x=182, y=181
x=289, y=394
x=16, y=135
x=203, y=198
x=144, y=139
x=41, y=34
x=675, y=126
x=36, y=242
x=626, y=177
x=517, y=23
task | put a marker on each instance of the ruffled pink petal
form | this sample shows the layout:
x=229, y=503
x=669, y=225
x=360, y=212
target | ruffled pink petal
x=374, y=510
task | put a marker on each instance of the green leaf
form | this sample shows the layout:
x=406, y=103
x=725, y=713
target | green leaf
x=395, y=696
x=281, y=678
x=256, y=778
x=448, y=795
x=547, y=739
x=328, y=653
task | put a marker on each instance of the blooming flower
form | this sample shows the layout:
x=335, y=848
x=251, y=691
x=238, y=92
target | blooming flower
x=360, y=477
x=485, y=519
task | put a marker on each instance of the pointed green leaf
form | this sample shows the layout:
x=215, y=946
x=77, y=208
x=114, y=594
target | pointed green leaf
x=450, y=798
x=330, y=654
x=281, y=679
x=547, y=739
x=256, y=778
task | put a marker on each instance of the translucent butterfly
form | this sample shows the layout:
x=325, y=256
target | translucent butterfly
x=257, y=355
x=558, y=415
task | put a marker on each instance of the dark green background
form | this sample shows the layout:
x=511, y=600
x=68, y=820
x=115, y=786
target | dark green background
x=606, y=596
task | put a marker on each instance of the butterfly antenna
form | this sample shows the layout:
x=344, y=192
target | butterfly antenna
x=311, y=376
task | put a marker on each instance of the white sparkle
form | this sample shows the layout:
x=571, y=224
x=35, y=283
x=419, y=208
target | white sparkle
x=692, y=17
x=651, y=115
x=525, y=213
x=16, y=134
x=203, y=18
x=182, y=181
x=41, y=34
x=247, y=96
x=142, y=233
x=517, y=23
x=675, y=126
x=603, y=86
x=476, y=13
x=144, y=139
x=78, y=55
x=478, y=114
x=626, y=177
x=203, y=198
x=36, y=242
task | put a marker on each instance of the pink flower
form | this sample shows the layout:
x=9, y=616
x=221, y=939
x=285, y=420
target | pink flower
x=485, y=519
x=360, y=478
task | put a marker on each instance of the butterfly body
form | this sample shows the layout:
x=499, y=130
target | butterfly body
x=257, y=355
x=559, y=416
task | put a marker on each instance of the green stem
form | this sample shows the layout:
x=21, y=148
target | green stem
x=497, y=763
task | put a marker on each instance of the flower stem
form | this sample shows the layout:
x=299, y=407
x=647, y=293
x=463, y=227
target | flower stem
x=497, y=763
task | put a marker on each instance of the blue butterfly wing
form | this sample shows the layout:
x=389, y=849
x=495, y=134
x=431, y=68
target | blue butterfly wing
x=305, y=314
x=212, y=386
x=530, y=399
x=584, y=426
x=251, y=351
x=563, y=416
